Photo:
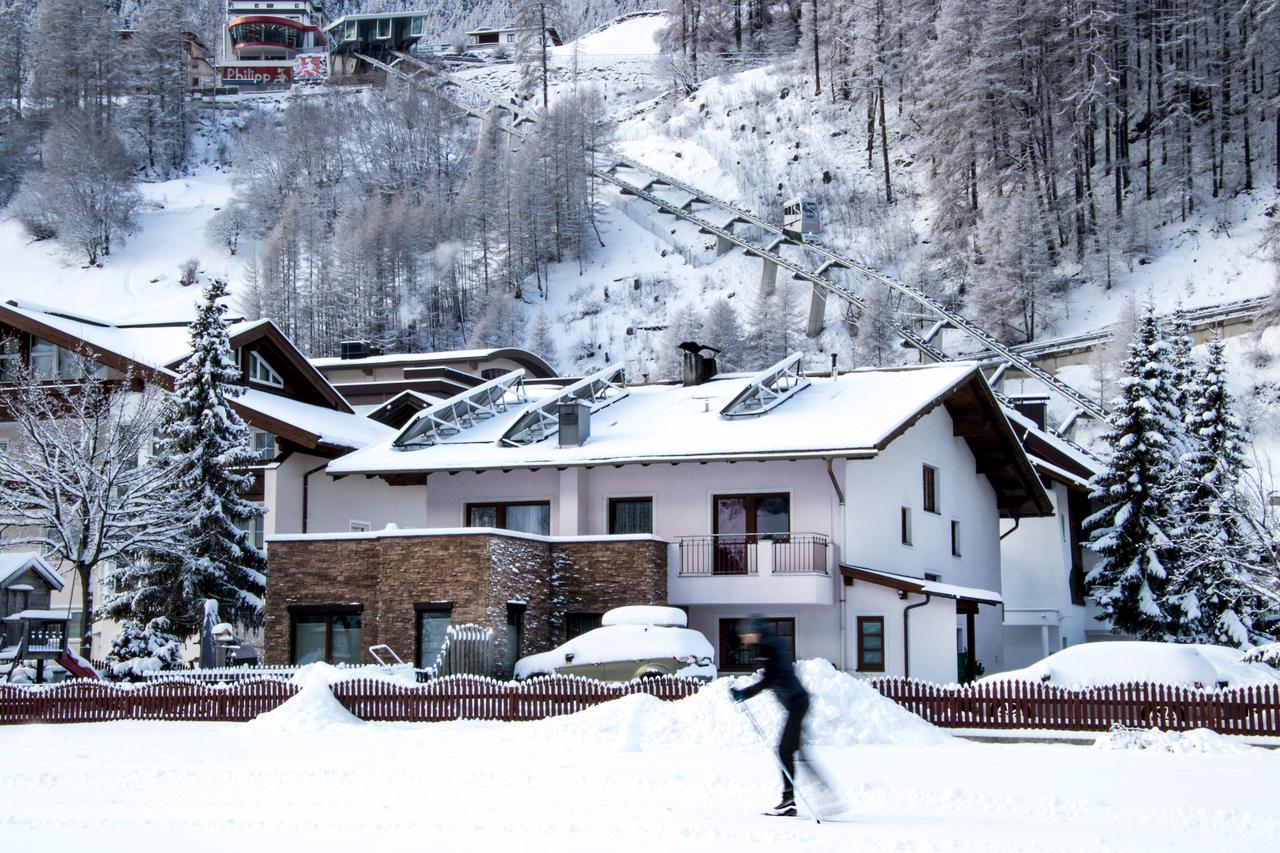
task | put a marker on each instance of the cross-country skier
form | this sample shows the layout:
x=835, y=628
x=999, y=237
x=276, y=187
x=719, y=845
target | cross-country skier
x=780, y=677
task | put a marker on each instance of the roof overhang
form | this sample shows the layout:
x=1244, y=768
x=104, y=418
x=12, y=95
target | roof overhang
x=919, y=586
x=978, y=417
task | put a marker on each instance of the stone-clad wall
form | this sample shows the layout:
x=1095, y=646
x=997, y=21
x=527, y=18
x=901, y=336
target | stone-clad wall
x=478, y=574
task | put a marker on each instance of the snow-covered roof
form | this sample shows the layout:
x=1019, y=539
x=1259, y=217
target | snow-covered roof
x=156, y=345
x=855, y=414
x=14, y=563
x=921, y=585
x=59, y=615
x=1041, y=443
x=524, y=358
x=329, y=426
x=404, y=358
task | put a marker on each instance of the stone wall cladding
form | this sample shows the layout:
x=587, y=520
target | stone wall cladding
x=478, y=574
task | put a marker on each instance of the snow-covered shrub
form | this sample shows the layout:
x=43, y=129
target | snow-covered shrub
x=187, y=272
x=139, y=649
x=1268, y=654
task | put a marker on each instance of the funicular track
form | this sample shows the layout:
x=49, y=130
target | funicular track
x=813, y=266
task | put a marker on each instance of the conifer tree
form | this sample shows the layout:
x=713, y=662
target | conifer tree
x=207, y=444
x=1130, y=534
x=1210, y=603
x=542, y=340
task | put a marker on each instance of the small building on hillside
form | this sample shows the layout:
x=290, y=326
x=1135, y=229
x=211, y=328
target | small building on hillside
x=265, y=42
x=505, y=37
x=859, y=513
x=383, y=36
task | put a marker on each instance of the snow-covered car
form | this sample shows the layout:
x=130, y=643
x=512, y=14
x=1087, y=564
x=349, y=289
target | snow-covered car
x=631, y=642
x=1124, y=662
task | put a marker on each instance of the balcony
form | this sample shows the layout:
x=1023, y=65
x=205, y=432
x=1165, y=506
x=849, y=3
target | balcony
x=776, y=554
x=787, y=568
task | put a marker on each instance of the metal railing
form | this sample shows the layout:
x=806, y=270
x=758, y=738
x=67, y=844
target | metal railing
x=753, y=554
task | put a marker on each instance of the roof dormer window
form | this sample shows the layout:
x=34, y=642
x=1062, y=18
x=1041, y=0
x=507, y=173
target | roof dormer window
x=263, y=373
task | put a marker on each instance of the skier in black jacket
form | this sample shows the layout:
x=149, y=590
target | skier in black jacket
x=780, y=677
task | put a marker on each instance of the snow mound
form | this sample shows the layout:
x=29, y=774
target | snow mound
x=844, y=711
x=1121, y=662
x=313, y=708
x=1155, y=740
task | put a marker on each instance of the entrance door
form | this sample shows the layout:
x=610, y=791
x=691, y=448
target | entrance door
x=731, y=530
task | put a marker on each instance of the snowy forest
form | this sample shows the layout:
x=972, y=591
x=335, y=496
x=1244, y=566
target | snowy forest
x=1030, y=146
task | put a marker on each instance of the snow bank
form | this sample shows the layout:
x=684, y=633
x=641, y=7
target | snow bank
x=1099, y=664
x=845, y=711
x=1196, y=740
x=313, y=708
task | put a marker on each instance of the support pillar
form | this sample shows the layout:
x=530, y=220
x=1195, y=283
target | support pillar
x=1044, y=641
x=768, y=277
x=817, y=312
x=723, y=245
x=971, y=659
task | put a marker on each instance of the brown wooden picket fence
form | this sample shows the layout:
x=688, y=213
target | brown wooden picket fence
x=453, y=697
x=474, y=697
x=87, y=701
x=1032, y=705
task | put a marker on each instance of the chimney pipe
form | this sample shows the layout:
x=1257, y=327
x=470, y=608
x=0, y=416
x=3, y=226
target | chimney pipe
x=699, y=363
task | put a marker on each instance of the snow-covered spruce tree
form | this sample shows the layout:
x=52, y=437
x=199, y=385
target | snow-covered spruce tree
x=1205, y=595
x=138, y=649
x=206, y=444
x=1130, y=534
x=1185, y=374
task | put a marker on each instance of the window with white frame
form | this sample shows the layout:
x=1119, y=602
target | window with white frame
x=4, y=445
x=359, y=526
x=384, y=28
x=263, y=444
x=263, y=373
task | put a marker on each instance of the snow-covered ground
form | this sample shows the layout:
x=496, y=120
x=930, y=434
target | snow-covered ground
x=633, y=774
x=138, y=281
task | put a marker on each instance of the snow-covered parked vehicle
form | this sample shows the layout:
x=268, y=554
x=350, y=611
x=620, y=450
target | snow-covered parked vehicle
x=1201, y=666
x=631, y=642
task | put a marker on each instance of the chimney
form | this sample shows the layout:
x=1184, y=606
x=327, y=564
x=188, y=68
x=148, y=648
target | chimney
x=1033, y=408
x=573, y=419
x=357, y=349
x=699, y=363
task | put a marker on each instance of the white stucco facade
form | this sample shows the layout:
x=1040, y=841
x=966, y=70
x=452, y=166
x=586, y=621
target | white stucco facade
x=864, y=531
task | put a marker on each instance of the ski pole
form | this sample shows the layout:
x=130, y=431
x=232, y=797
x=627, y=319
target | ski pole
x=817, y=818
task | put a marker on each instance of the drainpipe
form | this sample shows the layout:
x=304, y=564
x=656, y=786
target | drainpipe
x=305, y=476
x=1017, y=519
x=837, y=537
x=906, y=634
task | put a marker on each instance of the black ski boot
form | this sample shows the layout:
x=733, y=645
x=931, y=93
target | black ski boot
x=786, y=808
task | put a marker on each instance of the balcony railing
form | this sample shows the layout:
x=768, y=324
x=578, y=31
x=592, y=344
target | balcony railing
x=769, y=554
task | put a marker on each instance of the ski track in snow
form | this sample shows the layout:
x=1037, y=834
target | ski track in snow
x=214, y=786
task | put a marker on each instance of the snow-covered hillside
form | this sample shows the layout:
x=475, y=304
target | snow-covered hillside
x=754, y=138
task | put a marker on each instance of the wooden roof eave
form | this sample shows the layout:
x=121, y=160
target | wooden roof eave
x=112, y=359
